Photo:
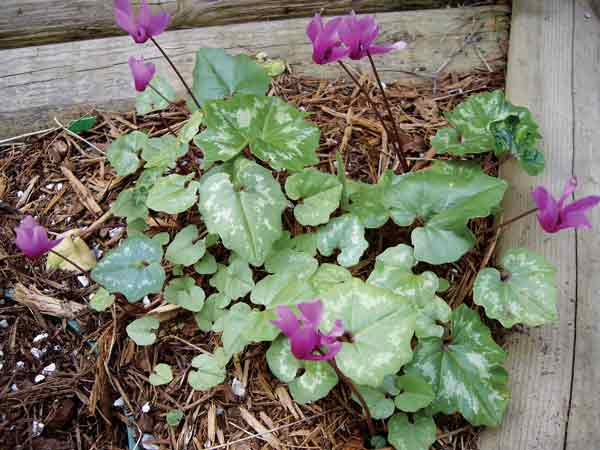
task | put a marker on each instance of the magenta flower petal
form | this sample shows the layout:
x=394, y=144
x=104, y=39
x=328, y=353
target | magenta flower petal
x=570, y=188
x=304, y=341
x=32, y=238
x=358, y=34
x=327, y=45
x=312, y=313
x=142, y=72
x=288, y=323
x=143, y=26
x=547, y=208
x=333, y=350
x=382, y=49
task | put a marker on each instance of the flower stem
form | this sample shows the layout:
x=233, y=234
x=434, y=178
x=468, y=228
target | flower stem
x=514, y=219
x=358, y=395
x=165, y=98
x=362, y=89
x=386, y=102
x=187, y=87
x=70, y=261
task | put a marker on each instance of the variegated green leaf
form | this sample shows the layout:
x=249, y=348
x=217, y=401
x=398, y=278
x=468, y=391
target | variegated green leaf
x=123, y=153
x=207, y=265
x=527, y=294
x=210, y=371
x=191, y=127
x=367, y=201
x=345, y=233
x=212, y=312
x=101, y=300
x=161, y=375
x=379, y=404
x=131, y=203
x=234, y=280
x=283, y=288
x=142, y=331
x=187, y=248
x=242, y=203
x=416, y=393
x=150, y=101
x=320, y=193
x=276, y=132
x=185, y=293
x=328, y=276
x=173, y=194
x=467, y=374
x=163, y=152
x=420, y=434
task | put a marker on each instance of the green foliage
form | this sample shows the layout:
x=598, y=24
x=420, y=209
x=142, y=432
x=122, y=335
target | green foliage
x=174, y=417
x=218, y=75
x=212, y=312
x=320, y=193
x=210, y=370
x=142, y=331
x=242, y=203
x=101, y=300
x=467, y=375
x=377, y=400
x=184, y=292
x=367, y=201
x=187, y=248
x=131, y=203
x=234, y=280
x=133, y=268
x=150, y=101
x=123, y=153
x=527, y=295
x=173, y=194
x=83, y=124
x=419, y=434
x=276, y=132
x=191, y=127
x=346, y=233
x=163, y=152
x=207, y=265
x=162, y=374
x=416, y=393
x=444, y=197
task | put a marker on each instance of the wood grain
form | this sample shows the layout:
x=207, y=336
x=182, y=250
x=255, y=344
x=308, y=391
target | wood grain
x=36, y=22
x=37, y=83
x=584, y=419
x=540, y=360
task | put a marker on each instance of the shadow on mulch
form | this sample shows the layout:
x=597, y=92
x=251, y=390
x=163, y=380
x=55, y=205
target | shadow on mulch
x=98, y=368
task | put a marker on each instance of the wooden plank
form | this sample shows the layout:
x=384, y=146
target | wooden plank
x=540, y=360
x=584, y=419
x=36, y=22
x=37, y=83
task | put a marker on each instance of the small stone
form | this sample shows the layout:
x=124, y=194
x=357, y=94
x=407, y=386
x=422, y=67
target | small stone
x=37, y=428
x=220, y=411
x=119, y=403
x=49, y=369
x=57, y=348
x=238, y=388
x=97, y=252
x=14, y=388
x=37, y=353
x=3, y=323
x=50, y=186
x=146, y=442
x=83, y=280
x=40, y=337
x=39, y=378
x=113, y=233
x=59, y=186
x=146, y=302
x=20, y=194
x=146, y=408
x=20, y=365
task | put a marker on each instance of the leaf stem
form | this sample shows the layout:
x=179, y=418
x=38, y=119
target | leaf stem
x=514, y=219
x=386, y=102
x=377, y=113
x=70, y=261
x=357, y=393
x=187, y=87
x=165, y=98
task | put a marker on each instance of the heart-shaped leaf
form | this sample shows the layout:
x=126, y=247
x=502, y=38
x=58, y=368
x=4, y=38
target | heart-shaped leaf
x=276, y=132
x=101, y=300
x=381, y=324
x=142, y=331
x=393, y=271
x=133, y=268
x=367, y=201
x=131, y=203
x=218, y=75
x=174, y=417
x=287, y=287
x=162, y=238
x=163, y=152
x=321, y=194
x=185, y=293
x=207, y=265
x=318, y=377
x=527, y=294
x=173, y=194
x=210, y=371
x=379, y=404
x=444, y=197
x=292, y=252
x=238, y=328
x=212, y=312
x=416, y=393
x=242, y=203
x=346, y=233
x=234, y=280
x=123, y=153
x=467, y=375
x=420, y=434
x=191, y=127
x=328, y=276
x=162, y=375
x=150, y=101
x=186, y=249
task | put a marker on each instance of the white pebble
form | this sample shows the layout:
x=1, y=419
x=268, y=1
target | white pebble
x=20, y=194
x=40, y=337
x=146, y=301
x=115, y=232
x=39, y=378
x=146, y=438
x=37, y=353
x=37, y=428
x=146, y=408
x=238, y=388
x=20, y=364
x=14, y=388
x=50, y=186
x=59, y=186
x=3, y=323
x=57, y=348
x=83, y=280
x=1, y=366
x=49, y=369
x=118, y=403
x=97, y=252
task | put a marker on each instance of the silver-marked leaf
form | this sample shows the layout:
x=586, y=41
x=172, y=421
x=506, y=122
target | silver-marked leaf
x=210, y=372
x=381, y=324
x=467, y=374
x=162, y=238
x=218, y=75
x=163, y=152
x=393, y=271
x=297, y=252
x=283, y=288
x=328, y=276
x=133, y=268
x=212, y=312
x=161, y=375
x=345, y=233
x=173, y=194
x=186, y=249
x=174, y=417
x=131, y=203
x=420, y=434
x=150, y=101
x=185, y=293
x=320, y=192
x=527, y=295
x=191, y=127
x=367, y=201
x=101, y=300
x=238, y=328
x=142, y=331
x=242, y=203
x=123, y=153
x=207, y=265
x=445, y=197
x=276, y=132
x=380, y=406
x=234, y=280
x=416, y=394
x=315, y=383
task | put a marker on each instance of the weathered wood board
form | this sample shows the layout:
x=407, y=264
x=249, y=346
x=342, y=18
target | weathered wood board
x=540, y=361
x=37, y=83
x=36, y=22
x=583, y=430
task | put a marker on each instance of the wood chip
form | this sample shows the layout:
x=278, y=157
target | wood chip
x=260, y=428
x=46, y=304
x=82, y=192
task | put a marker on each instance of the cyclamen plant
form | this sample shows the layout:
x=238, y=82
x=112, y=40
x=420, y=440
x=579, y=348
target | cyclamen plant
x=456, y=367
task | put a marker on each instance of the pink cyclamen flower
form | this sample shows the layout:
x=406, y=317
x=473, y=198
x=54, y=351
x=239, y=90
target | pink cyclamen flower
x=143, y=26
x=327, y=45
x=32, y=238
x=555, y=216
x=143, y=72
x=303, y=332
x=358, y=34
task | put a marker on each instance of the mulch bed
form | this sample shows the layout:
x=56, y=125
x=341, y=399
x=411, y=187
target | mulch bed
x=97, y=364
